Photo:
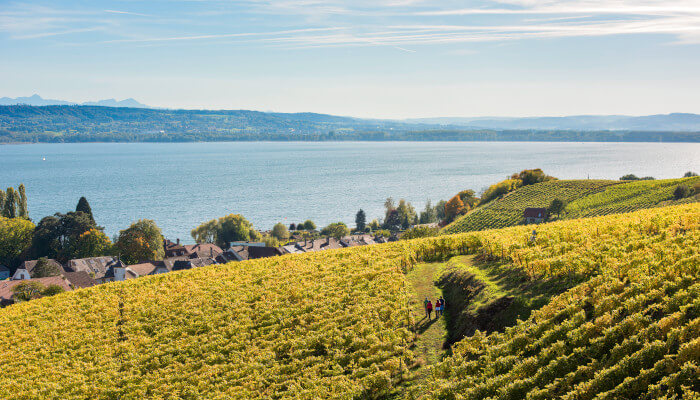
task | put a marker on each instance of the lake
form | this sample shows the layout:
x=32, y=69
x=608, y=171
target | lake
x=180, y=185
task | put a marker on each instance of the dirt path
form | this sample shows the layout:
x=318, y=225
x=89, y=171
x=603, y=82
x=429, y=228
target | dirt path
x=431, y=333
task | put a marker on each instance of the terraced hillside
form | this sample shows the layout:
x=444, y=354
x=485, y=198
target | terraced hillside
x=338, y=324
x=583, y=198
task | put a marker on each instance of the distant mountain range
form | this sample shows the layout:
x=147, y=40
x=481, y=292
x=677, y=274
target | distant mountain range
x=677, y=122
x=36, y=100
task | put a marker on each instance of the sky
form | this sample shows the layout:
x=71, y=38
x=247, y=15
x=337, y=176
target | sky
x=363, y=58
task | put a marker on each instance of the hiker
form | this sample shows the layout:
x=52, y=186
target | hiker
x=425, y=306
x=429, y=309
x=442, y=305
x=438, y=308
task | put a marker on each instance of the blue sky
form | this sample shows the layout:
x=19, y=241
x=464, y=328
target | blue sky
x=380, y=58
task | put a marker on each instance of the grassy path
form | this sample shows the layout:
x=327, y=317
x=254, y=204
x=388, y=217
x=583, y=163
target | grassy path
x=431, y=334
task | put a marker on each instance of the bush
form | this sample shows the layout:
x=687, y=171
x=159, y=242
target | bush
x=52, y=290
x=690, y=174
x=500, y=189
x=681, y=192
x=532, y=176
x=280, y=232
x=629, y=177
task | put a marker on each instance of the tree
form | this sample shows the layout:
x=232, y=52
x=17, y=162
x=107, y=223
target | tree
x=91, y=243
x=15, y=239
x=223, y=231
x=500, y=189
x=681, y=192
x=393, y=221
x=337, y=230
x=428, y=215
x=389, y=206
x=556, y=207
x=374, y=225
x=360, y=220
x=407, y=213
x=54, y=235
x=84, y=206
x=52, y=290
x=27, y=290
x=141, y=241
x=629, y=177
x=468, y=198
x=292, y=226
x=440, y=210
x=44, y=269
x=22, y=210
x=309, y=225
x=690, y=174
x=280, y=232
x=9, y=209
x=453, y=208
x=532, y=176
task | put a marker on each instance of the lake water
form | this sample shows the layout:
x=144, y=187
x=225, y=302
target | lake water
x=180, y=185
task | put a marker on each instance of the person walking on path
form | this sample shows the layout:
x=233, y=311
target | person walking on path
x=425, y=306
x=438, y=308
x=429, y=309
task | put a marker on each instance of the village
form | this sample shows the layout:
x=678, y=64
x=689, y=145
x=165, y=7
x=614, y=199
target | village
x=87, y=272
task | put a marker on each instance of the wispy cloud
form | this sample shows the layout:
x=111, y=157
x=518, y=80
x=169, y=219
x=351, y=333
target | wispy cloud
x=127, y=13
x=221, y=36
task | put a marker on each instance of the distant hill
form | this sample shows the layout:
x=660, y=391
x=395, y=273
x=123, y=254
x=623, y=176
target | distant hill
x=93, y=123
x=36, y=100
x=583, y=198
x=665, y=122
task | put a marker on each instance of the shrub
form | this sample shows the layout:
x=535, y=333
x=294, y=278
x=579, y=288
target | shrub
x=681, y=192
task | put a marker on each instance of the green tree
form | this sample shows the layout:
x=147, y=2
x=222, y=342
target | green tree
x=280, y=232
x=292, y=226
x=309, y=225
x=428, y=216
x=374, y=225
x=690, y=174
x=407, y=213
x=223, y=231
x=52, y=290
x=45, y=269
x=54, y=234
x=500, y=189
x=84, y=206
x=9, y=209
x=27, y=290
x=141, y=241
x=15, y=239
x=389, y=206
x=91, y=243
x=336, y=230
x=2, y=202
x=393, y=221
x=22, y=210
x=556, y=207
x=629, y=177
x=440, y=210
x=360, y=220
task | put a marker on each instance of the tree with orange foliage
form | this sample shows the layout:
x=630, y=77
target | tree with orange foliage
x=454, y=207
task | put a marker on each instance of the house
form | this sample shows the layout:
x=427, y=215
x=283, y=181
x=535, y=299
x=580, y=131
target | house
x=179, y=265
x=96, y=267
x=6, y=293
x=4, y=272
x=174, y=249
x=148, y=268
x=26, y=269
x=80, y=279
x=203, y=250
x=534, y=215
x=117, y=272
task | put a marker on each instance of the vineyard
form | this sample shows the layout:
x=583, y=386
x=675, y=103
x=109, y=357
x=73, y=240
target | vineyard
x=583, y=198
x=336, y=324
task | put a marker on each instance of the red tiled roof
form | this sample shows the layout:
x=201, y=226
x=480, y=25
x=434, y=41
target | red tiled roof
x=6, y=286
x=535, y=212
